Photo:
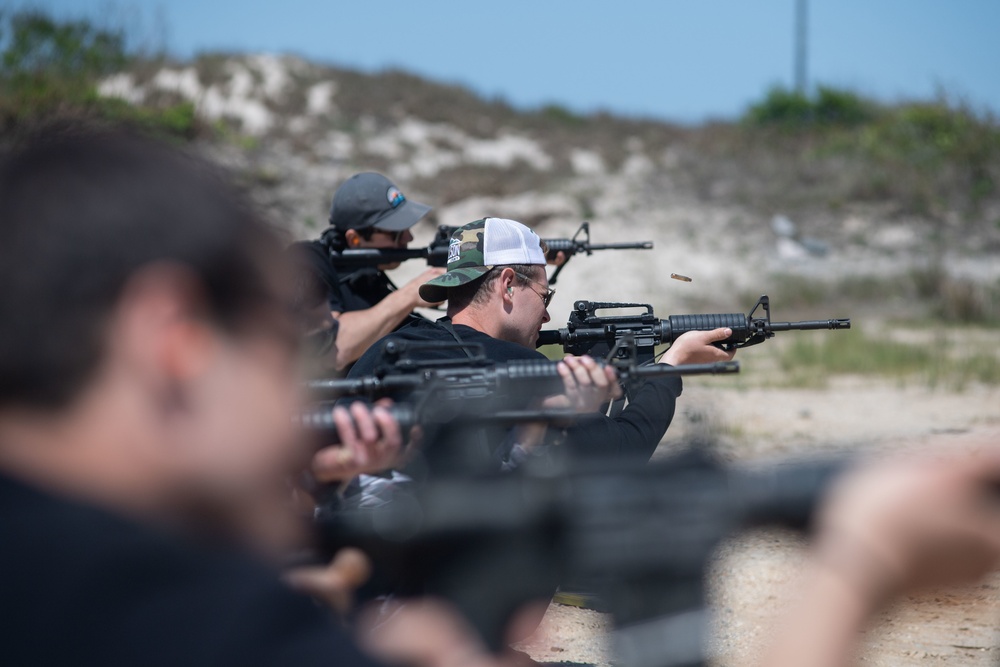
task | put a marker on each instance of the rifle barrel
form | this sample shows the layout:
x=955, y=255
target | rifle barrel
x=844, y=323
x=373, y=256
x=376, y=256
x=716, y=368
x=639, y=245
x=564, y=245
x=362, y=386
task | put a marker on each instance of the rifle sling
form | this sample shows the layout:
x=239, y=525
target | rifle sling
x=445, y=323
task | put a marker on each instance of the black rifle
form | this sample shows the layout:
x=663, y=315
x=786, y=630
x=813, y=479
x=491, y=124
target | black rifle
x=471, y=392
x=436, y=253
x=475, y=376
x=588, y=333
x=642, y=534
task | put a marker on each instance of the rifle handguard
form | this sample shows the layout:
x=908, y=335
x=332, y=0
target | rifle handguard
x=586, y=329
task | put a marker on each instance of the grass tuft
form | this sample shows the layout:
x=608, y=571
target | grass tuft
x=945, y=360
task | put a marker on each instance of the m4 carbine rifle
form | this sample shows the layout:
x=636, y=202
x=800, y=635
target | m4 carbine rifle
x=436, y=253
x=596, y=335
x=476, y=376
x=642, y=535
x=458, y=395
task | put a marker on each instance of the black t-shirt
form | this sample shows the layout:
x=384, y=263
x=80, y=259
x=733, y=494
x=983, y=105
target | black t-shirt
x=636, y=432
x=81, y=586
x=425, y=331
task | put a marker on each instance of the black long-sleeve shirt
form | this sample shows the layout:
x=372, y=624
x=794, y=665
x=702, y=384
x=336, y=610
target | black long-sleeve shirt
x=81, y=586
x=635, y=432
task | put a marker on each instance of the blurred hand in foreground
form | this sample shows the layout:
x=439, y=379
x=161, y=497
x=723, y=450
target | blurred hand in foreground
x=889, y=529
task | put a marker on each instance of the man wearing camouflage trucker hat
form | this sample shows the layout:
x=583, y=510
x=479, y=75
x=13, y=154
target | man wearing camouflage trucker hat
x=498, y=297
x=368, y=211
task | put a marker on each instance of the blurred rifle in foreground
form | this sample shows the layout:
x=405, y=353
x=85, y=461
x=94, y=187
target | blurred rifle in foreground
x=436, y=253
x=642, y=534
x=589, y=333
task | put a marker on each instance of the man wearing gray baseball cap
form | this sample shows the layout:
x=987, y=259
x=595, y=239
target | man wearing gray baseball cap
x=368, y=211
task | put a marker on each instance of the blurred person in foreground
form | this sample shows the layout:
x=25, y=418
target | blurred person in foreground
x=368, y=211
x=147, y=378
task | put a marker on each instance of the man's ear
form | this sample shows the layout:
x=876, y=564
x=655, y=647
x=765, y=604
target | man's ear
x=352, y=238
x=162, y=326
x=506, y=283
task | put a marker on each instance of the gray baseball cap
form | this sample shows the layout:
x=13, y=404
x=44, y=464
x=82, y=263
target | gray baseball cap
x=372, y=200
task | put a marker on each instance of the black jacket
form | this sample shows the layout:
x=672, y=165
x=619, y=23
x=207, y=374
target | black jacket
x=81, y=586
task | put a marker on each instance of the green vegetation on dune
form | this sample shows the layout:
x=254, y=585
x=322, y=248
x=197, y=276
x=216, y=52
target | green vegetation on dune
x=792, y=153
x=51, y=68
x=928, y=156
x=829, y=107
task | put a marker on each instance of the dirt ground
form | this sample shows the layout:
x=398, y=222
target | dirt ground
x=754, y=575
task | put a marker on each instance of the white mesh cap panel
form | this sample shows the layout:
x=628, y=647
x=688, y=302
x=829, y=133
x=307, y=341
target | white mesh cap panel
x=510, y=242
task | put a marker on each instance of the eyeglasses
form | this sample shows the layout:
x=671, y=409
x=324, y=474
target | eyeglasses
x=549, y=292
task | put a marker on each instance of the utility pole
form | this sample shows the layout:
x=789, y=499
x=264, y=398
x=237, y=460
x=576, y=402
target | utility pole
x=801, y=49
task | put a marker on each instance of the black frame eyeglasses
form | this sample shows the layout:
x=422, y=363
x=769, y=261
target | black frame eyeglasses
x=549, y=292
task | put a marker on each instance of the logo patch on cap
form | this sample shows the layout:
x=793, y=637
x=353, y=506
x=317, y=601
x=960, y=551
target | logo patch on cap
x=454, y=250
x=395, y=197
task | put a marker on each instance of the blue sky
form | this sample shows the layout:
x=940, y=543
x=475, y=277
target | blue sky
x=682, y=60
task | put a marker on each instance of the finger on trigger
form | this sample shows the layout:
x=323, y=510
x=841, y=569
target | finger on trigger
x=612, y=375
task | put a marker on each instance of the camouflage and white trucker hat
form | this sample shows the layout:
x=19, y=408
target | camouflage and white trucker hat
x=477, y=247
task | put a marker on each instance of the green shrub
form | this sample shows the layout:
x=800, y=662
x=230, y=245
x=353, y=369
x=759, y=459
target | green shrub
x=47, y=66
x=830, y=106
x=840, y=107
x=51, y=67
x=177, y=120
x=36, y=45
x=781, y=107
x=560, y=115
